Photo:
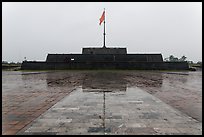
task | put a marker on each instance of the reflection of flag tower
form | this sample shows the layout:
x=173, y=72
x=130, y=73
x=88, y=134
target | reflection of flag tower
x=102, y=19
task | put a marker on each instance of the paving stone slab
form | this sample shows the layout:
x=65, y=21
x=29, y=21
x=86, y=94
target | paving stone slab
x=115, y=115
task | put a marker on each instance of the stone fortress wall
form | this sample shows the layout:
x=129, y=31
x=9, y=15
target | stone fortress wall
x=104, y=58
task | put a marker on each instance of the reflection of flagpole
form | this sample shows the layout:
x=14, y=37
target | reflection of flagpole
x=104, y=111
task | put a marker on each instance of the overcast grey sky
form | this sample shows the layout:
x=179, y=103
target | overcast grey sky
x=33, y=29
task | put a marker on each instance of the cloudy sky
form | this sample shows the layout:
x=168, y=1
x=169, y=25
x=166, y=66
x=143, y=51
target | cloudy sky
x=33, y=30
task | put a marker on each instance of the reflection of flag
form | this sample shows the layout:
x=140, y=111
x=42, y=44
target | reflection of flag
x=102, y=18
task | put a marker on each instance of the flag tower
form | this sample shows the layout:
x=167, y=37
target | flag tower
x=102, y=19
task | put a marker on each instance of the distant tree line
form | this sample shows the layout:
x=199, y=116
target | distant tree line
x=183, y=58
x=175, y=59
x=5, y=62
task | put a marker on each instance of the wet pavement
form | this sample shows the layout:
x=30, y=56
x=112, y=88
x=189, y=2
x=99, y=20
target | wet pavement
x=102, y=102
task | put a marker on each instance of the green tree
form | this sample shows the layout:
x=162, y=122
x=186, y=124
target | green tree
x=199, y=63
x=190, y=62
x=166, y=59
x=183, y=58
x=4, y=62
x=171, y=58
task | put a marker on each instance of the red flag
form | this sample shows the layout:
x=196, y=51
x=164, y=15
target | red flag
x=102, y=18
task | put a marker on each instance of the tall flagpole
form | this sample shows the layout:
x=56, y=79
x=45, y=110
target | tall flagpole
x=104, y=31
